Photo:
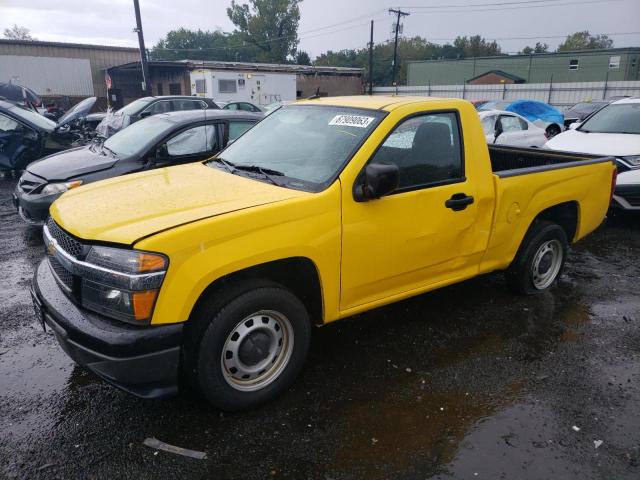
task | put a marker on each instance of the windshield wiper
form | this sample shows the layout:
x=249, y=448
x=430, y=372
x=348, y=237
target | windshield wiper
x=228, y=165
x=104, y=147
x=265, y=172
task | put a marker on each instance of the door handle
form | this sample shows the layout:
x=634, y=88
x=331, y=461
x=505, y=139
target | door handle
x=458, y=201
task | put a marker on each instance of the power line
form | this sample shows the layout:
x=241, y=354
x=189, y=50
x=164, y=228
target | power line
x=521, y=7
x=473, y=5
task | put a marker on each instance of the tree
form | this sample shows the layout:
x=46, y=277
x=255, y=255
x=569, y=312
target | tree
x=539, y=48
x=302, y=58
x=184, y=44
x=585, y=41
x=476, y=46
x=269, y=25
x=18, y=33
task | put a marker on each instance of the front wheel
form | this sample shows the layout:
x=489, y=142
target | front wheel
x=253, y=348
x=540, y=259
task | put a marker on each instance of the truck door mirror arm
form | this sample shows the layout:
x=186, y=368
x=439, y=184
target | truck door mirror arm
x=378, y=180
x=498, y=130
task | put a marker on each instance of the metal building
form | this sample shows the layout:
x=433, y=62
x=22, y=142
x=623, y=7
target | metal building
x=53, y=69
x=615, y=64
x=260, y=83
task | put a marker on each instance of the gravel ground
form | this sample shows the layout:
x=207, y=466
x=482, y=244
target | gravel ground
x=466, y=382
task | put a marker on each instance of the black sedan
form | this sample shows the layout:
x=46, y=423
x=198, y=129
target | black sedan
x=26, y=135
x=159, y=141
x=148, y=106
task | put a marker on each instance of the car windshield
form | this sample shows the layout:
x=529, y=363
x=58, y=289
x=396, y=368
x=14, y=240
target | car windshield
x=134, y=107
x=614, y=118
x=307, y=143
x=33, y=118
x=586, y=107
x=138, y=137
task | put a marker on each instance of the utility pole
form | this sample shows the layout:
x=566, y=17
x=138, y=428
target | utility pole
x=146, y=86
x=371, y=61
x=399, y=14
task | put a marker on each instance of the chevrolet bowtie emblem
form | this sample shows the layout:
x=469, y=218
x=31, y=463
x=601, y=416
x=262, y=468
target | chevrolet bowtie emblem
x=51, y=248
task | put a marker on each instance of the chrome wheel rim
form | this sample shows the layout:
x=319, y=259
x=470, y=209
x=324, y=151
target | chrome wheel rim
x=257, y=350
x=546, y=264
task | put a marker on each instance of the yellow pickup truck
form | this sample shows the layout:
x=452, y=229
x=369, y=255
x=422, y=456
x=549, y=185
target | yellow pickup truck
x=213, y=274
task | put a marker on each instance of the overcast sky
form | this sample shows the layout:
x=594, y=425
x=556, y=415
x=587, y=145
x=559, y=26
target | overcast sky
x=110, y=22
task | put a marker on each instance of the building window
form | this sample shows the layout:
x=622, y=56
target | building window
x=227, y=86
x=633, y=63
x=159, y=88
x=201, y=86
x=175, y=89
x=614, y=62
x=573, y=64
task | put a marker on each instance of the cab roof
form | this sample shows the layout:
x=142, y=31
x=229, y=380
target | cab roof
x=375, y=102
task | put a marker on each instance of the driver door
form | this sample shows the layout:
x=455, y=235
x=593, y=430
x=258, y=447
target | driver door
x=18, y=143
x=416, y=236
x=190, y=145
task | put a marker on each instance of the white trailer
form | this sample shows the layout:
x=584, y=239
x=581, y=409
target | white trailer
x=259, y=88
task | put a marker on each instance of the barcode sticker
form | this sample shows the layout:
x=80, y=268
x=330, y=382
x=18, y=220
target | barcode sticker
x=351, y=121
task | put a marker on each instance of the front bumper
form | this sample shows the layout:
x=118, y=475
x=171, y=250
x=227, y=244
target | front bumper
x=33, y=209
x=627, y=197
x=143, y=361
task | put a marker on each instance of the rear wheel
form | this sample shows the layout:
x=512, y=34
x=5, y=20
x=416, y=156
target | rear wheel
x=253, y=347
x=540, y=259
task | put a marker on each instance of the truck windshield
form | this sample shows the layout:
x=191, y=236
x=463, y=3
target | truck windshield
x=307, y=143
x=138, y=137
x=614, y=118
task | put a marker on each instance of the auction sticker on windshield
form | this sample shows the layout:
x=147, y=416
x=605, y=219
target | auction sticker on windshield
x=351, y=121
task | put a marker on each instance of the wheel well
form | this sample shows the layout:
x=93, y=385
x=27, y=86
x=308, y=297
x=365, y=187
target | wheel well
x=565, y=215
x=298, y=274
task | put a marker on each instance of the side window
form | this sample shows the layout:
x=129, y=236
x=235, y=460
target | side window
x=159, y=107
x=8, y=124
x=187, y=105
x=238, y=128
x=200, y=139
x=231, y=106
x=523, y=124
x=510, y=124
x=227, y=86
x=426, y=149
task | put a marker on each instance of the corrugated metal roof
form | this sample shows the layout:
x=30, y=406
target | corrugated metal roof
x=49, y=75
x=38, y=43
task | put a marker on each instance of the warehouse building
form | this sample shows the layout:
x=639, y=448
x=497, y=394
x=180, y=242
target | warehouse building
x=615, y=64
x=53, y=69
x=259, y=83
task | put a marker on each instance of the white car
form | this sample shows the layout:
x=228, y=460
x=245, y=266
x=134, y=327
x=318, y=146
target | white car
x=615, y=131
x=508, y=128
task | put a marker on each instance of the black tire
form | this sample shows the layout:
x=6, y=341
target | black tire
x=520, y=274
x=220, y=317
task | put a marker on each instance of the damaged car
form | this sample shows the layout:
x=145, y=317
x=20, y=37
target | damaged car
x=159, y=141
x=26, y=136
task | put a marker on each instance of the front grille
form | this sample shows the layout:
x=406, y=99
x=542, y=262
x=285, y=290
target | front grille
x=64, y=276
x=631, y=193
x=28, y=186
x=67, y=242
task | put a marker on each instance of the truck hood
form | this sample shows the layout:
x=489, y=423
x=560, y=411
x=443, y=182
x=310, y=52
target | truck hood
x=616, y=144
x=71, y=164
x=127, y=208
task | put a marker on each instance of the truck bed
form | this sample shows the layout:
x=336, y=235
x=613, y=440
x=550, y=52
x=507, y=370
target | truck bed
x=510, y=161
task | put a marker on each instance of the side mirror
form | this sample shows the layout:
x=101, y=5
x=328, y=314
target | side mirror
x=574, y=125
x=379, y=180
x=144, y=114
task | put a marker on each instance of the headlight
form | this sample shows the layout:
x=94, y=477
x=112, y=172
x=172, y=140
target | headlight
x=53, y=188
x=633, y=160
x=129, y=292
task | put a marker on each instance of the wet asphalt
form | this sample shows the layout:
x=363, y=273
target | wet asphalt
x=468, y=382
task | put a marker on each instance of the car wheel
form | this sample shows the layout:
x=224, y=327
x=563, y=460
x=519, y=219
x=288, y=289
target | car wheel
x=253, y=347
x=552, y=130
x=540, y=259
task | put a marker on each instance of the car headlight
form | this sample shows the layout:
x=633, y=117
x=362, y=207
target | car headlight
x=632, y=161
x=126, y=285
x=52, y=188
